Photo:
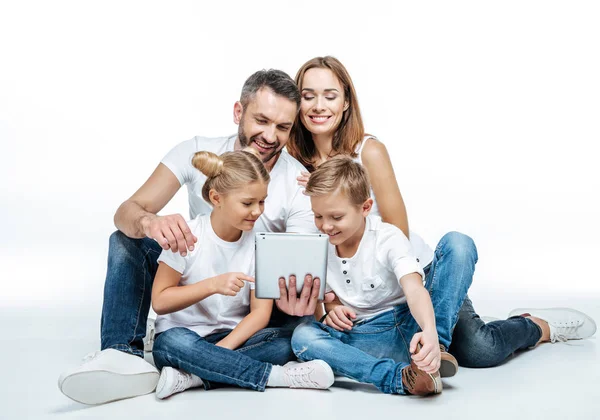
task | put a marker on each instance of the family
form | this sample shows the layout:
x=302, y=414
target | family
x=396, y=313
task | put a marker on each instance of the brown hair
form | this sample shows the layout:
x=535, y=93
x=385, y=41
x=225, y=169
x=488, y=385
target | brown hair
x=351, y=130
x=229, y=171
x=340, y=174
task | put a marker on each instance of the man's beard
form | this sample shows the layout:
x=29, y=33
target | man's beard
x=245, y=142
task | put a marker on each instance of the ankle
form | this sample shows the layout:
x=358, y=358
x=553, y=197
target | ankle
x=544, y=328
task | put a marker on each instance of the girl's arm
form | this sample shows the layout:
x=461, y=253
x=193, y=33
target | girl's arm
x=376, y=161
x=168, y=296
x=256, y=320
x=421, y=308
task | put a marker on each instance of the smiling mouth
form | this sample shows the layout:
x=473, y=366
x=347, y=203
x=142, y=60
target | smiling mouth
x=265, y=145
x=331, y=235
x=319, y=119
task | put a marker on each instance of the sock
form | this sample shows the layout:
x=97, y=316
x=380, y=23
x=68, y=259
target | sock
x=277, y=377
x=196, y=381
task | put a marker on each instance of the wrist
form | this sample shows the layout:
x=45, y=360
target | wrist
x=145, y=221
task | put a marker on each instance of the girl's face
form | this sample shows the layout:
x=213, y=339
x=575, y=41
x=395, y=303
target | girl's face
x=323, y=102
x=243, y=206
x=339, y=218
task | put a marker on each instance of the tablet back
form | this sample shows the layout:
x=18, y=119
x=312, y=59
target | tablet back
x=282, y=254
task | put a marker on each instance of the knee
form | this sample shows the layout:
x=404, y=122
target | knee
x=460, y=246
x=304, y=335
x=477, y=351
x=119, y=244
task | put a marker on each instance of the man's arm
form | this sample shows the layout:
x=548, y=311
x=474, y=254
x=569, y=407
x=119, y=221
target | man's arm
x=137, y=218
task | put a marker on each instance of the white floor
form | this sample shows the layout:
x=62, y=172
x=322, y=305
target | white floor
x=556, y=381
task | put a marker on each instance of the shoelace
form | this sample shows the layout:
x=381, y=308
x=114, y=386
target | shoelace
x=565, y=331
x=91, y=356
x=409, y=377
x=183, y=382
x=300, y=377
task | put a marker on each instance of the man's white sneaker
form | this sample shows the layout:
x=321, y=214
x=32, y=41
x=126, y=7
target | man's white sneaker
x=173, y=381
x=315, y=374
x=108, y=375
x=565, y=323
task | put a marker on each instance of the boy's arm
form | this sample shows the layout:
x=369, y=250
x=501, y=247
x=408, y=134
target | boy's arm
x=256, y=320
x=419, y=303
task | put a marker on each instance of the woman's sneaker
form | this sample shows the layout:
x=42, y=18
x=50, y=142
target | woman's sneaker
x=173, y=381
x=565, y=323
x=108, y=375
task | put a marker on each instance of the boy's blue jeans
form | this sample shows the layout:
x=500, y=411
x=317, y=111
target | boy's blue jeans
x=132, y=266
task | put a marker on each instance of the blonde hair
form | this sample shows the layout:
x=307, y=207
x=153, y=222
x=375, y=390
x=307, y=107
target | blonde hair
x=351, y=130
x=342, y=174
x=229, y=171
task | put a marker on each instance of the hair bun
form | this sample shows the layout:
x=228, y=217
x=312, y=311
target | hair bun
x=208, y=163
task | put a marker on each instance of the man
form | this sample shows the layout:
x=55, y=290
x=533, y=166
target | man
x=265, y=114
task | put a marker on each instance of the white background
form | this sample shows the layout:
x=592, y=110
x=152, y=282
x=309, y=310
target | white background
x=490, y=112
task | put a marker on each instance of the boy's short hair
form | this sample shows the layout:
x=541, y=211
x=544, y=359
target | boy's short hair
x=342, y=174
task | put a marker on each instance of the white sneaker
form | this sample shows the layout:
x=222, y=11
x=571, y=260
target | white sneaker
x=108, y=375
x=565, y=323
x=173, y=381
x=315, y=374
x=149, y=338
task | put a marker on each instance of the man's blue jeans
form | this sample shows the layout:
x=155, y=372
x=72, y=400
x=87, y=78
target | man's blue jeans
x=247, y=367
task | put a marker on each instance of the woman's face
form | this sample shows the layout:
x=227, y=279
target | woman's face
x=323, y=102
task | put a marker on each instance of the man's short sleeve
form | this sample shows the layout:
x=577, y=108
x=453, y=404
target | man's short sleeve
x=179, y=160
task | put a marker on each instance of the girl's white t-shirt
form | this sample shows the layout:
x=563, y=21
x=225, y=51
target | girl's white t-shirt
x=211, y=256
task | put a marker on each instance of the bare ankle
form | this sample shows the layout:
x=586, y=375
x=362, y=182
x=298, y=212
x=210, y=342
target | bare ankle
x=543, y=326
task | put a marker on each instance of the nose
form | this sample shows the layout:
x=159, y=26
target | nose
x=319, y=104
x=269, y=134
x=256, y=211
x=327, y=227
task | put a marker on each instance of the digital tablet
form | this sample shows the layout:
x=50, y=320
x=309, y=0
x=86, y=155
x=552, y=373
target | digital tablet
x=282, y=254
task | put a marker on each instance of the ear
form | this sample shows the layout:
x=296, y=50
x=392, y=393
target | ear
x=215, y=198
x=367, y=207
x=238, y=110
x=346, y=105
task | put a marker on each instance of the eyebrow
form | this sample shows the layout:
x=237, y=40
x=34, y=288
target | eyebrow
x=326, y=90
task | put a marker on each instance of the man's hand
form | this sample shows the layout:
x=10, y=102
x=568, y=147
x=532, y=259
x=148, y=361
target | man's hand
x=229, y=284
x=171, y=232
x=291, y=304
x=339, y=318
x=428, y=359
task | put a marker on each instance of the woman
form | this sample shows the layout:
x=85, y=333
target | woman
x=330, y=124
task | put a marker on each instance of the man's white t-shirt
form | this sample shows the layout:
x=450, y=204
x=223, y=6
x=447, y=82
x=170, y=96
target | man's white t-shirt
x=369, y=282
x=211, y=256
x=287, y=209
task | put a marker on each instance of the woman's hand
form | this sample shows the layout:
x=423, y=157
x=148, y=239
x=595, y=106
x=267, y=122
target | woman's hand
x=303, y=179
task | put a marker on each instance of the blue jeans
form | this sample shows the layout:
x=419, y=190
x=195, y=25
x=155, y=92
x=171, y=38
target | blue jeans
x=247, y=367
x=127, y=291
x=374, y=351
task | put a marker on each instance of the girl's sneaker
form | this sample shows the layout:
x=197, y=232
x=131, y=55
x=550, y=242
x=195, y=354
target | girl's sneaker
x=172, y=381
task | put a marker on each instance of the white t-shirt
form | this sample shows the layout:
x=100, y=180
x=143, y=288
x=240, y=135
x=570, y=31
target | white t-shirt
x=369, y=282
x=211, y=256
x=423, y=251
x=287, y=209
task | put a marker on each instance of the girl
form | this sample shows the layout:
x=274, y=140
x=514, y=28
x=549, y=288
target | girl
x=211, y=328
x=381, y=301
x=330, y=124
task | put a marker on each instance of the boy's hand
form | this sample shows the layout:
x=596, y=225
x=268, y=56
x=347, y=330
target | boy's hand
x=229, y=284
x=339, y=318
x=428, y=359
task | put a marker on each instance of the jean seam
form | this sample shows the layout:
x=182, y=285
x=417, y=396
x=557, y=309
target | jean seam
x=141, y=302
x=269, y=337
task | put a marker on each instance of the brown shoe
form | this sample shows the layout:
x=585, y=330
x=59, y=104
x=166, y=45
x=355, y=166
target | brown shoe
x=417, y=382
x=449, y=365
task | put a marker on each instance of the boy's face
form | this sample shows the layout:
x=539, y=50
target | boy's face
x=337, y=217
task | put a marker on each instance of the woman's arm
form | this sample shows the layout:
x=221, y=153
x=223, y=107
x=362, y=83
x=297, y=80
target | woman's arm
x=168, y=296
x=376, y=161
x=256, y=320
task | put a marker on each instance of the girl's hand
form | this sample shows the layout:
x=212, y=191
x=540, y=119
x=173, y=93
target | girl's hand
x=339, y=318
x=229, y=284
x=303, y=178
x=428, y=358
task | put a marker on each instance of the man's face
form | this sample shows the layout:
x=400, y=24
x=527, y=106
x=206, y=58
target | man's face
x=265, y=123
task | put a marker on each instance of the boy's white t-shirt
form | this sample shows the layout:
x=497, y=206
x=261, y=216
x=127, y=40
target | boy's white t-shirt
x=287, y=209
x=369, y=282
x=211, y=256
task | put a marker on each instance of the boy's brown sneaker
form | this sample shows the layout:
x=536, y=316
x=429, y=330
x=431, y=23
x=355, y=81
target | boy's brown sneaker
x=449, y=365
x=417, y=382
